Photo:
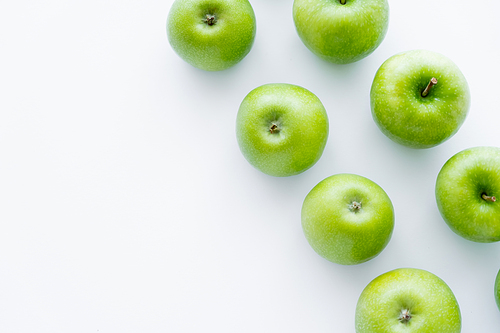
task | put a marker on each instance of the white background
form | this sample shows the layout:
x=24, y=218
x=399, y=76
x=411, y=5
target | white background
x=126, y=205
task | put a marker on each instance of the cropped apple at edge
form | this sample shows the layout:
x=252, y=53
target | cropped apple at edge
x=347, y=219
x=407, y=300
x=212, y=35
x=497, y=290
x=467, y=188
x=341, y=31
x=281, y=129
x=419, y=98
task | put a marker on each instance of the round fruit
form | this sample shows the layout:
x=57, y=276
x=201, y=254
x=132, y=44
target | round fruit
x=341, y=31
x=407, y=300
x=281, y=129
x=211, y=34
x=347, y=219
x=467, y=189
x=419, y=98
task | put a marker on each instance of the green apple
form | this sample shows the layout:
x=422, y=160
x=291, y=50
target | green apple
x=211, y=34
x=497, y=290
x=341, y=31
x=466, y=190
x=419, y=98
x=281, y=129
x=347, y=219
x=407, y=300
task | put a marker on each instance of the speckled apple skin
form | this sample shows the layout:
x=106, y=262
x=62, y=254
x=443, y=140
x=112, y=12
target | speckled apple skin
x=399, y=109
x=340, y=235
x=211, y=47
x=459, y=188
x=304, y=129
x=431, y=302
x=338, y=33
x=497, y=290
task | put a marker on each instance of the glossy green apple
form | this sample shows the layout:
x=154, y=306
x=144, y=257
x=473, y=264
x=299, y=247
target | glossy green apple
x=407, y=300
x=419, y=98
x=497, y=290
x=281, y=129
x=347, y=219
x=341, y=31
x=466, y=190
x=211, y=34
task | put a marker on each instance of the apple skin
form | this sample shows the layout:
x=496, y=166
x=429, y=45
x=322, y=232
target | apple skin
x=338, y=33
x=336, y=230
x=497, y=290
x=301, y=134
x=432, y=306
x=399, y=109
x=459, y=188
x=211, y=47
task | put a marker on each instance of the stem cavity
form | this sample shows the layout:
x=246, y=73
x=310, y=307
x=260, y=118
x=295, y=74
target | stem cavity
x=343, y=2
x=404, y=316
x=432, y=83
x=488, y=198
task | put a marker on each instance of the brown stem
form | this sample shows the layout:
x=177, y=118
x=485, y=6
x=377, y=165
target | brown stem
x=488, y=198
x=433, y=82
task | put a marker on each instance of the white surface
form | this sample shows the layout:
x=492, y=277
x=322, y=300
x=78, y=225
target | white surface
x=126, y=205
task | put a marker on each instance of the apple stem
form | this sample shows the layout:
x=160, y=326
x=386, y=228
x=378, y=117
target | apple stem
x=488, y=198
x=210, y=19
x=433, y=82
x=342, y=2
